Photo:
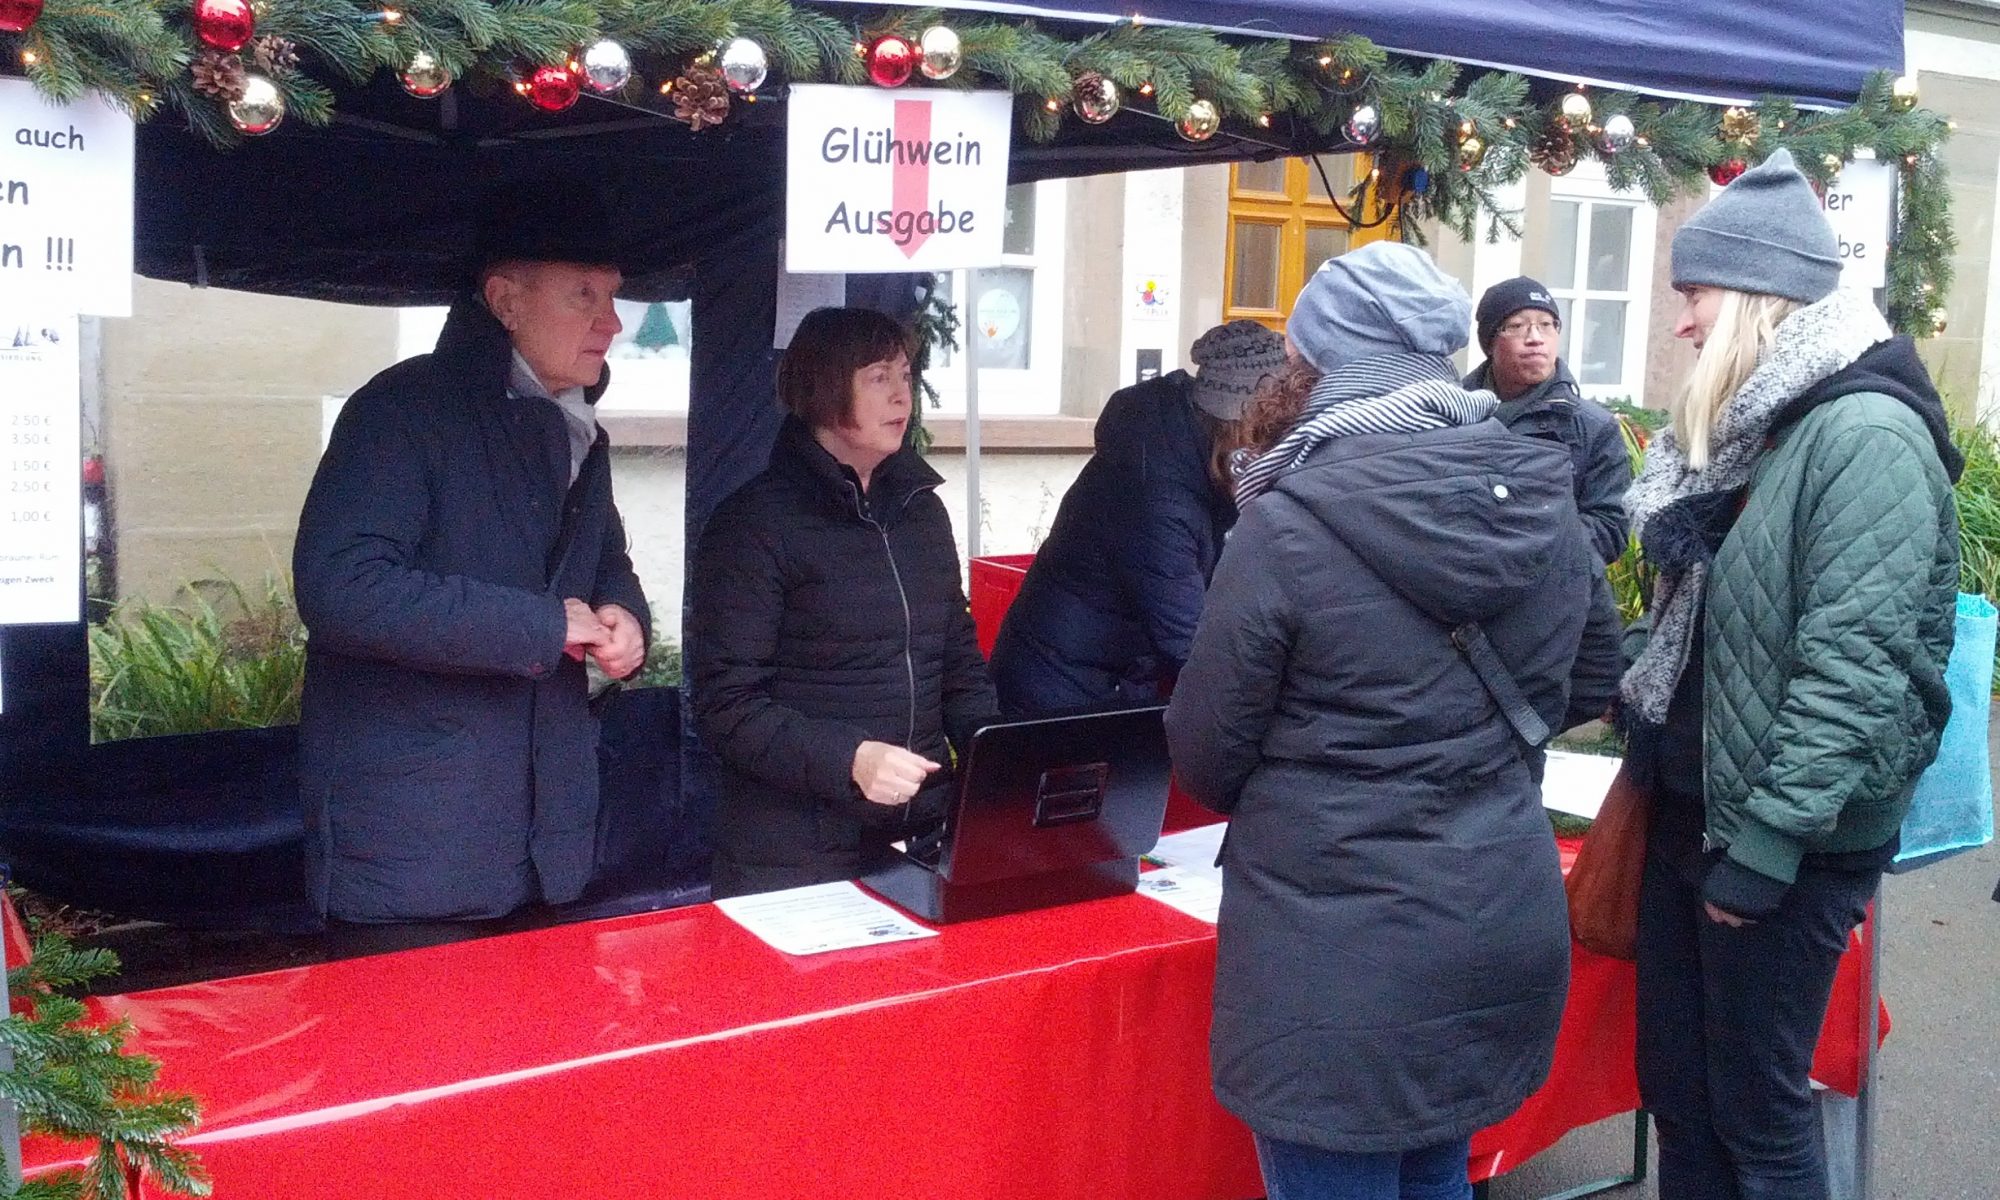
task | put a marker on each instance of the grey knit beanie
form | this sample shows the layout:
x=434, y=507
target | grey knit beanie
x=1765, y=234
x=1385, y=298
x=1230, y=361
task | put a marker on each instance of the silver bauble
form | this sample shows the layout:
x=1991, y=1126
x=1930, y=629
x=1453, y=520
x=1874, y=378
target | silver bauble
x=1097, y=100
x=261, y=109
x=939, y=55
x=1618, y=135
x=743, y=64
x=1364, y=126
x=607, y=68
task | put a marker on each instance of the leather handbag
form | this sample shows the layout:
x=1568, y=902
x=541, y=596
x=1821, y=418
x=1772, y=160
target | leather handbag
x=1603, y=884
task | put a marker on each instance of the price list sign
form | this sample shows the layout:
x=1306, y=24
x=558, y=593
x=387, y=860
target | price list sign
x=41, y=493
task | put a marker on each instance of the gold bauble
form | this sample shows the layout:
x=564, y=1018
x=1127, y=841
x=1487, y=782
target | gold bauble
x=1937, y=326
x=1903, y=93
x=1202, y=121
x=1576, y=108
x=1833, y=163
x=1740, y=125
x=1471, y=152
x=261, y=109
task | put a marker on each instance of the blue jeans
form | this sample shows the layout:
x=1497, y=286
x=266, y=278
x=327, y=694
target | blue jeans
x=1296, y=1172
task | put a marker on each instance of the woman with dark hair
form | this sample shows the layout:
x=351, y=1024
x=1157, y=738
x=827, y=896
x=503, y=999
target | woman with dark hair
x=1110, y=604
x=1791, y=687
x=831, y=655
x=1407, y=605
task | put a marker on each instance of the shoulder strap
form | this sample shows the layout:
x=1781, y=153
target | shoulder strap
x=1500, y=684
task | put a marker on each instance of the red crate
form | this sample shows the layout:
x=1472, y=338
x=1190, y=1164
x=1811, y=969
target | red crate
x=996, y=580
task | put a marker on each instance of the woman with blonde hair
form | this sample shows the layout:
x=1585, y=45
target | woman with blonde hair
x=1791, y=685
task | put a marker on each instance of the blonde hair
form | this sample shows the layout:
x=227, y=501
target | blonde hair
x=1745, y=325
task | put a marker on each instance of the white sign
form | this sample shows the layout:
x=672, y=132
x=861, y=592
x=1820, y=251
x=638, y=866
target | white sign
x=41, y=485
x=65, y=204
x=881, y=180
x=1858, y=204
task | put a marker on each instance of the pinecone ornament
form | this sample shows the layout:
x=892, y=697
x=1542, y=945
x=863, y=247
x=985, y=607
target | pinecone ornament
x=220, y=76
x=701, y=96
x=274, y=55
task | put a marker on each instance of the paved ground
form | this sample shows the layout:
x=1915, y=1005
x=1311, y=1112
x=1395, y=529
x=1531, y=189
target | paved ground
x=1939, y=1098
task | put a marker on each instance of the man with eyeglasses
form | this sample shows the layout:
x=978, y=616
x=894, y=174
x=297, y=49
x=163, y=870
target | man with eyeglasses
x=1519, y=326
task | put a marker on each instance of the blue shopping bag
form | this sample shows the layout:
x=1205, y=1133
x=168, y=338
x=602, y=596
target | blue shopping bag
x=1953, y=806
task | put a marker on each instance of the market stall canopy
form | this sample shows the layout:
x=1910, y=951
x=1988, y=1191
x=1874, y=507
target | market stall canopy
x=379, y=207
x=1718, y=50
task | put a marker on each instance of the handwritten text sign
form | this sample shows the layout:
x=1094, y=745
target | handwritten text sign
x=65, y=204
x=1858, y=205
x=904, y=180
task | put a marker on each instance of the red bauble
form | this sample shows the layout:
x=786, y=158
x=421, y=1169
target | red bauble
x=551, y=89
x=1725, y=174
x=227, y=25
x=891, y=60
x=17, y=15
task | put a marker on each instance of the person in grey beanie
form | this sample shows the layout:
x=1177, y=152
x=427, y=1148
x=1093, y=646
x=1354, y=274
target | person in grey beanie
x=1393, y=946
x=1106, y=612
x=1518, y=328
x=1798, y=514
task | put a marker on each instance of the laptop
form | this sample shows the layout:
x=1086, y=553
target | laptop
x=1048, y=811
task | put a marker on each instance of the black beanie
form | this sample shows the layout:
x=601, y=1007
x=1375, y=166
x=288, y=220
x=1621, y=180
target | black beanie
x=1503, y=300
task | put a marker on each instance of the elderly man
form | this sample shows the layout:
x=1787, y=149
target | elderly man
x=458, y=558
x=1519, y=324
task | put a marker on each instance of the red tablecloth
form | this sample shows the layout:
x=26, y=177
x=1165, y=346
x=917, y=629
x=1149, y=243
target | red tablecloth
x=1052, y=1054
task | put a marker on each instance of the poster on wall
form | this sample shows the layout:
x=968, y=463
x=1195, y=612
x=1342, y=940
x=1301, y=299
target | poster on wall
x=41, y=493
x=65, y=204
x=880, y=181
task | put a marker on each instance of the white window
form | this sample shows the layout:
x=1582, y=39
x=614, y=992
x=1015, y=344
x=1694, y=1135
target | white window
x=1015, y=313
x=1599, y=267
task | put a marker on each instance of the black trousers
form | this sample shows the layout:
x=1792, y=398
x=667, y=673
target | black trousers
x=1728, y=1020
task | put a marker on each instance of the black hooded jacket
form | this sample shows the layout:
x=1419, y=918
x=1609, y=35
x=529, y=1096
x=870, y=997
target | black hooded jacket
x=1394, y=941
x=824, y=617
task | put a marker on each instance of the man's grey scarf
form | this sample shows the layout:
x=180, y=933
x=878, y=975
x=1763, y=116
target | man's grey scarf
x=1680, y=514
x=1390, y=393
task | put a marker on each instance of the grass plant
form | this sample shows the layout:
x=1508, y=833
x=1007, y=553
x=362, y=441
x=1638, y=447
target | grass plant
x=223, y=659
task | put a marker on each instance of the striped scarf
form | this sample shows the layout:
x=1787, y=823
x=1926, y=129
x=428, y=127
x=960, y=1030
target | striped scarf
x=1390, y=393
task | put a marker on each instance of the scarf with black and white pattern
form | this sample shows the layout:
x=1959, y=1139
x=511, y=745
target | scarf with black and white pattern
x=1390, y=393
x=1681, y=515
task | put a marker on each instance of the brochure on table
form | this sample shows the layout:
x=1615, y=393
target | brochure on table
x=820, y=918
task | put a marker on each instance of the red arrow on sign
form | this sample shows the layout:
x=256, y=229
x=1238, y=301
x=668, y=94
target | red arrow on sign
x=910, y=191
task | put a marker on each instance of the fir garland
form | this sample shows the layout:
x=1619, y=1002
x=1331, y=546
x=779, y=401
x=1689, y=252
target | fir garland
x=73, y=1079
x=1288, y=95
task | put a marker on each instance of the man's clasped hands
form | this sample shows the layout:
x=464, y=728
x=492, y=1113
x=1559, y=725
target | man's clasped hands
x=608, y=633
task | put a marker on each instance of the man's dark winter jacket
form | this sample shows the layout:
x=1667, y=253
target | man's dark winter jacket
x=1394, y=941
x=824, y=617
x=1109, y=607
x=1559, y=412
x=449, y=756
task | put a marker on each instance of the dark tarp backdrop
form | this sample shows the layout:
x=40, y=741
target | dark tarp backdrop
x=381, y=207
